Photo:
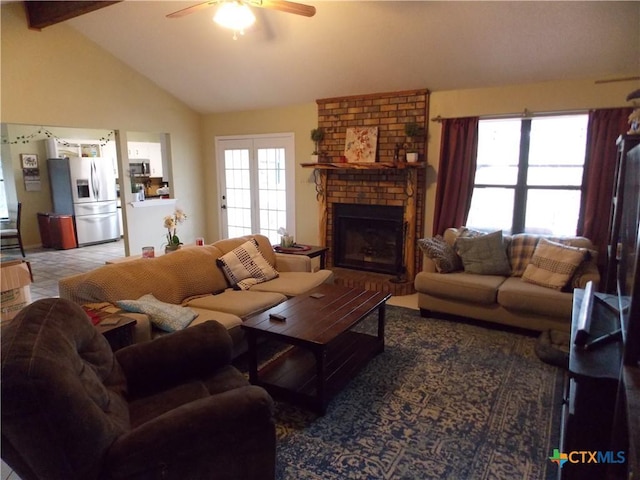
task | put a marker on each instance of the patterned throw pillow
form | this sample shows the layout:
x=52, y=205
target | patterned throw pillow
x=442, y=254
x=553, y=264
x=245, y=266
x=484, y=255
x=520, y=251
x=165, y=316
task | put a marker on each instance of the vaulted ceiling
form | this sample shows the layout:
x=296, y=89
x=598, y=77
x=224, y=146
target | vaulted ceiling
x=358, y=47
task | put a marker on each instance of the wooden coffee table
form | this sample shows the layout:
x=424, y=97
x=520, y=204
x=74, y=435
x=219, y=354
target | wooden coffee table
x=327, y=353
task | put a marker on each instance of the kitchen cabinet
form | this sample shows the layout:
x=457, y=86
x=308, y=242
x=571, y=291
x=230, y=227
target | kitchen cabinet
x=63, y=148
x=151, y=151
x=137, y=150
x=155, y=159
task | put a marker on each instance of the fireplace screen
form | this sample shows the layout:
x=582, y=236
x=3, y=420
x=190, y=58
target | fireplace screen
x=368, y=237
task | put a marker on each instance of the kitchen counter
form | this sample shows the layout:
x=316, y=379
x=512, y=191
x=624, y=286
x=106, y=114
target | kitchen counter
x=153, y=202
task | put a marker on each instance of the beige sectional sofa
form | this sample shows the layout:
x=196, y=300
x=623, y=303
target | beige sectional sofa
x=191, y=277
x=505, y=298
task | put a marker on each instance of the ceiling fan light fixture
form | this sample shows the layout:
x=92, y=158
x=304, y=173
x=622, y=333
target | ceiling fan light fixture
x=235, y=16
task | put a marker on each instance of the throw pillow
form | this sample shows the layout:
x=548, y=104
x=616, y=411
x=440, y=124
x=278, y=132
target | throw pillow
x=442, y=254
x=165, y=316
x=245, y=266
x=553, y=264
x=469, y=232
x=520, y=251
x=485, y=255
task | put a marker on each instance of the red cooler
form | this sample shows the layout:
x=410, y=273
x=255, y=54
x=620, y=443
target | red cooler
x=63, y=234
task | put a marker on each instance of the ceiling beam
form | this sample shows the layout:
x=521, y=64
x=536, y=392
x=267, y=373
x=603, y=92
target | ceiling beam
x=43, y=14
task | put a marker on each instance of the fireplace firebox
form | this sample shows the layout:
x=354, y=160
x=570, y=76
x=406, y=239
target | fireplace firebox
x=369, y=237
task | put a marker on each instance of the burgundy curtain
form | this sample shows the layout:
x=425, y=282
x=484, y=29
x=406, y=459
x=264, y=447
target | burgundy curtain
x=456, y=173
x=605, y=126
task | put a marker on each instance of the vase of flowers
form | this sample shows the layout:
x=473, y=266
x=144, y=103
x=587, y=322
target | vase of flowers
x=171, y=224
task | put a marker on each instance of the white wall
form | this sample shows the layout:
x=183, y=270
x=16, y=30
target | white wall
x=56, y=77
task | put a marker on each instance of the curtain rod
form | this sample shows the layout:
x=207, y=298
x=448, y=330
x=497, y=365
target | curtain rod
x=526, y=113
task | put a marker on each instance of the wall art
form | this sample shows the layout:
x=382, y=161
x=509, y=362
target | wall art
x=361, y=144
x=29, y=160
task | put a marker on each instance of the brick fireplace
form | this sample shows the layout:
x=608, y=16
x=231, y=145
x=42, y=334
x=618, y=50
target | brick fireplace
x=388, y=182
x=368, y=237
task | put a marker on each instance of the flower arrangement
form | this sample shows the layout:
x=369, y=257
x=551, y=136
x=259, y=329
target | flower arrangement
x=171, y=224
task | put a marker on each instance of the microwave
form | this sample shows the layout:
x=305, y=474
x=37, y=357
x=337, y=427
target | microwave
x=140, y=169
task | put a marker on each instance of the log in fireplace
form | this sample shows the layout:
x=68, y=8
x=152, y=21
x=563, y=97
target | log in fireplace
x=369, y=237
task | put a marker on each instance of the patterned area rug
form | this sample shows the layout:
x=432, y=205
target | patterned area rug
x=446, y=400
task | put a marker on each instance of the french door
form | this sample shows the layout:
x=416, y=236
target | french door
x=256, y=185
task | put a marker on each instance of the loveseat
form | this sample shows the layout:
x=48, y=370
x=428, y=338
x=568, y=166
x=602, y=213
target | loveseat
x=525, y=292
x=196, y=281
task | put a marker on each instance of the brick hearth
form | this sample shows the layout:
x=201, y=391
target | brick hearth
x=379, y=282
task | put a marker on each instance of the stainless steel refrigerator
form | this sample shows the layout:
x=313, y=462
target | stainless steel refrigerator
x=85, y=187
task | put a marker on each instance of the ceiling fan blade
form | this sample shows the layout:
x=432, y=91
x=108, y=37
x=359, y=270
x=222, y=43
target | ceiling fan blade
x=285, y=6
x=621, y=79
x=193, y=8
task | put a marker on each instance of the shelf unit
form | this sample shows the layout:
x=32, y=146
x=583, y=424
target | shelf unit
x=590, y=393
x=624, y=144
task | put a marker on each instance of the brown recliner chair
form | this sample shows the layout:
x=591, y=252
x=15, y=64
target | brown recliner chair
x=171, y=408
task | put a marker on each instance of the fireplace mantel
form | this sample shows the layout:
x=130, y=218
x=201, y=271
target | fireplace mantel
x=364, y=166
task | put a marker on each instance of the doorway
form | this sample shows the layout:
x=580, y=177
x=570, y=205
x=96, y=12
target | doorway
x=256, y=176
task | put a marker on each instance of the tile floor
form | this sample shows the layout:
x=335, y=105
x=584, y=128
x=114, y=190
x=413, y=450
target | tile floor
x=48, y=266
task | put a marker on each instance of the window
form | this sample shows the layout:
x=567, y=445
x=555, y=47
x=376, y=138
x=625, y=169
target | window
x=529, y=175
x=256, y=185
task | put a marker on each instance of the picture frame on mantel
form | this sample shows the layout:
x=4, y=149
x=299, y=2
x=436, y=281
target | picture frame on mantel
x=361, y=144
x=29, y=160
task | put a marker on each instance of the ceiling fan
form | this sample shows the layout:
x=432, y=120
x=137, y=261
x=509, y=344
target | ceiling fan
x=281, y=5
x=236, y=14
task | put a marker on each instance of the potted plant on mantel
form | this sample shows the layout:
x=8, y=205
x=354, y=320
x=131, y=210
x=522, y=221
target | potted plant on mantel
x=317, y=135
x=413, y=131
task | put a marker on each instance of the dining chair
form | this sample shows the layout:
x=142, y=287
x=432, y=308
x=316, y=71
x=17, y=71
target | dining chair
x=11, y=230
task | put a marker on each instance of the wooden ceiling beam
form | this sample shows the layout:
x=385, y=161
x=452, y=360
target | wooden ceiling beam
x=42, y=14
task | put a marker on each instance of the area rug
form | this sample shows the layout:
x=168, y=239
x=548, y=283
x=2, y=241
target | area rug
x=446, y=400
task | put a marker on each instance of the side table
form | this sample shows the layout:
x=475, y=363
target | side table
x=312, y=251
x=118, y=329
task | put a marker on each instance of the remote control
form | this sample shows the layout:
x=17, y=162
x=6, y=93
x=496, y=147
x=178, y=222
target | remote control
x=277, y=317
